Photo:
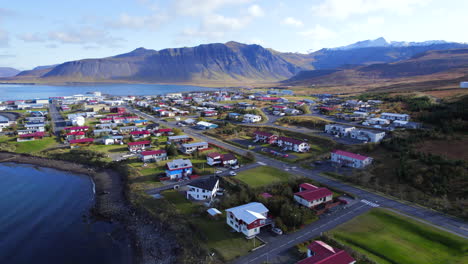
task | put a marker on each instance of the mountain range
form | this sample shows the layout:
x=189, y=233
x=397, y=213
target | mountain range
x=8, y=72
x=237, y=63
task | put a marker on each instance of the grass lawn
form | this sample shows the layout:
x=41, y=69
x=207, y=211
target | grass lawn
x=182, y=205
x=108, y=148
x=220, y=238
x=263, y=175
x=36, y=145
x=387, y=237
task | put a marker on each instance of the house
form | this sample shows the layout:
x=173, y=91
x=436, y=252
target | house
x=378, y=121
x=228, y=159
x=192, y=147
x=153, y=155
x=178, y=169
x=140, y=134
x=310, y=195
x=293, y=144
x=30, y=136
x=394, y=116
x=139, y=145
x=367, y=135
x=350, y=159
x=340, y=130
x=177, y=139
x=77, y=128
x=234, y=116
x=39, y=127
x=249, y=118
x=163, y=132
x=406, y=124
x=75, y=135
x=127, y=129
x=265, y=137
x=75, y=143
x=202, y=190
x=208, y=113
x=119, y=110
x=101, y=132
x=202, y=125
x=292, y=111
x=214, y=158
x=319, y=252
x=248, y=218
x=112, y=140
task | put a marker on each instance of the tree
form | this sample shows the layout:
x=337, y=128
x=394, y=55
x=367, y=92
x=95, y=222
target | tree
x=177, y=131
x=171, y=150
x=250, y=156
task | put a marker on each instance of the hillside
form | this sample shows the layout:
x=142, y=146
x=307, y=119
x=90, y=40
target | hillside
x=8, y=72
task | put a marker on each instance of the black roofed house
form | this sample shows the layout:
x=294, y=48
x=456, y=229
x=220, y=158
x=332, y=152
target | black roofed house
x=203, y=190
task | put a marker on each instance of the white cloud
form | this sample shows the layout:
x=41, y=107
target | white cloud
x=318, y=33
x=343, y=9
x=216, y=26
x=4, y=38
x=202, y=7
x=256, y=11
x=369, y=25
x=31, y=37
x=256, y=41
x=291, y=21
x=85, y=35
x=151, y=22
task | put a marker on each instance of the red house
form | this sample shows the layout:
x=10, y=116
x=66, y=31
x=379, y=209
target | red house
x=31, y=136
x=321, y=253
x=80, y=142
x=119, y=110
x=265, y=137
x=310, y=195
x=139, y=145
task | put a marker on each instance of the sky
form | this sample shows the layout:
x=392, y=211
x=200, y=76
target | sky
x=47, y=32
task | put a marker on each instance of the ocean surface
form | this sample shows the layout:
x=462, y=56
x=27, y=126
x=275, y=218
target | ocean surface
x=22, y=91
x=44, y=220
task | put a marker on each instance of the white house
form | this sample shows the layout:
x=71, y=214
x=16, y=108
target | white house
x=337, y=129
x=248, y=218
x=295, y=145
x=368, y=135
x=350, y=159
x=378, y=121
x=394, y=116
x=153, y=155
x=310, y=195
x=202, y=190
x=192, y=147
x=249, y=118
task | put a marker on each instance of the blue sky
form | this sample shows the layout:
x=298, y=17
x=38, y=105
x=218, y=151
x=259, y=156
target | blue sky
x=47, y=32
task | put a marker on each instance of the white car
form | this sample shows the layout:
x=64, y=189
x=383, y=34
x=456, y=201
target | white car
x=218, y=172
x=232, y=173
x=235, y=167
x=277, y=231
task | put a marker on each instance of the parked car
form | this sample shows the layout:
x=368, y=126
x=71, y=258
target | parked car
x=235, y=167
x=277, y=231
x=218, y=172
x=232, y=173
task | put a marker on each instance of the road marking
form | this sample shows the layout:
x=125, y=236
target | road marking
x=369, y=203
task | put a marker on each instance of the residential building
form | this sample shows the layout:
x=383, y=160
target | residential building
x=39, y=127
x=248, y=218
x=75, y=143
x=139, y=145
x=293, y=144
x=340, y=130
x=202, y=125
x=153, y=155
x=177, y=139
x=30, y=136
x=319, y=252
x=265, y=137
x=202, y=190
x=367, y=135
x=350, y=159
x=214, y=158
x=178, y=169
x=249, y=118
x=310, y=195
x=394, y=116
x=209, y=113
x=112, y=140
x=77, y=128
x=192, y=147
x=163, y=132
x=140, y=134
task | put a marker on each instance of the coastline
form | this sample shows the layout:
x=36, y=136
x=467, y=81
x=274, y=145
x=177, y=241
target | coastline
x=149, y=242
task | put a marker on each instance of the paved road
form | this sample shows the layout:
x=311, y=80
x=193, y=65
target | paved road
x=442, y=221
x=285, y=242
x=57, y=119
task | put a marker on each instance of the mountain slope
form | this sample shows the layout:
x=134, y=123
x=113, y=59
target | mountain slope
x=428, y=65
x=8, y=72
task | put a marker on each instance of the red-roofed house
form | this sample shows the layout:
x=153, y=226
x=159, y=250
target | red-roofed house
x=140, y=134
x=265, y=137
x=139, y=145
x=77, y=128
x=293, y=144
x=321, y=253
x=310, y=195
x=74, y=143
x=153, y=155
x=209, y=113
x=30, y=136
x=350, y=159
x=105, y=120
x=163, y=131
x=75, y=135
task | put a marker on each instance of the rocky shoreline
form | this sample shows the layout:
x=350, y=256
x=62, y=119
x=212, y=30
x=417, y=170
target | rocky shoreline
x=150, y=244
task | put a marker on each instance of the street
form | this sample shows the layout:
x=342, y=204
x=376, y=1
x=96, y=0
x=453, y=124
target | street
x=57, y=119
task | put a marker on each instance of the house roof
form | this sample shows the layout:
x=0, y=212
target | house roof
x=325, y=254
x=228, y=156
x=177, y=137
x=291, y=140
x=83, y=140
x=213, y=155
x=164, y=130
x=314, y=194
x=144, y=132
x=77, y=133
x=144, y=142
x=77, y=127
x=350, y=155
x=179, y=164
x=196, y=144
x=213, y=211
x=153, y=152
x=308, y=186
x=250, y=212
x=36, y=134
x=205, y=184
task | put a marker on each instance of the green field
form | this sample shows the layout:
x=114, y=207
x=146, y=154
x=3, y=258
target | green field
x=263, y=175
x=29, y=146
x=389, y=238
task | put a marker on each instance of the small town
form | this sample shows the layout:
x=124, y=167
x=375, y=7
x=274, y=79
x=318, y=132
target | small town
x=255, y=171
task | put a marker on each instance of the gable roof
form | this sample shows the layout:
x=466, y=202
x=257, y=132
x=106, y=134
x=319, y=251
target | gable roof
x=213, y=155
x=291, y=140
x=83, y=140
x=262, y=133
x=250, y=212
x=314, y=194
x=325, y=254
x=228, y=156
x=205, y=184
x=350, y=155
x=145, y=142
x=153, y=152
x=179, y=164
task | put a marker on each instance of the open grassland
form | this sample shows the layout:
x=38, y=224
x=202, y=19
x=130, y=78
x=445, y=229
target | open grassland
x=262, y=176
x=389, y=238
x=30, y=146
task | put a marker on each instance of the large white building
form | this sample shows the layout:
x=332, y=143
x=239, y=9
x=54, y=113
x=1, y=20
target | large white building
x=310, y=195
x=367, y=135
x=293, y=144
x=203, y=190
x=249, y=118
x=394, y=116
x=337, y=129
x=350, y=159
x=247, y=218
